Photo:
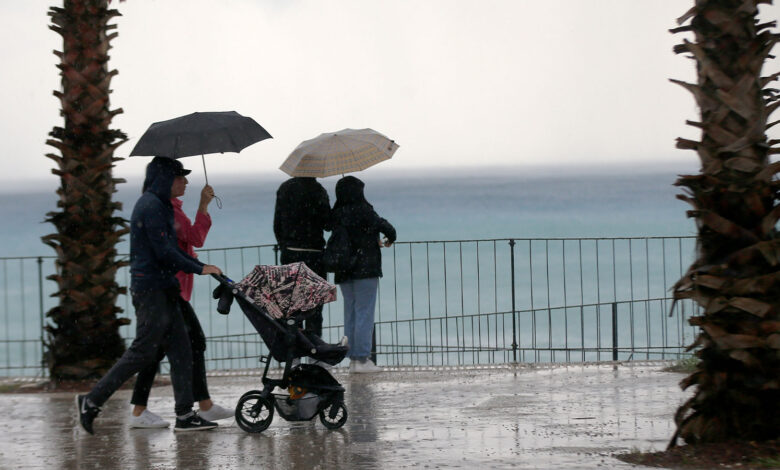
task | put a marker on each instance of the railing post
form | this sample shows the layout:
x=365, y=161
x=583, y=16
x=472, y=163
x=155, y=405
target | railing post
x=40, y=311
x=373, y=345
x=614, y=332
x=276, y=254
x=514, y=321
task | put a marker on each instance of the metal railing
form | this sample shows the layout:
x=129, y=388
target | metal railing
x=454, y=302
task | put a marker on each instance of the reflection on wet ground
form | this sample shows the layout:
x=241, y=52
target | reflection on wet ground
x=506, y=417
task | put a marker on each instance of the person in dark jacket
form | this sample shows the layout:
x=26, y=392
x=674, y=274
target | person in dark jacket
x=301, y=215
x=359, y=282
x=155, y=258
x=189, y=236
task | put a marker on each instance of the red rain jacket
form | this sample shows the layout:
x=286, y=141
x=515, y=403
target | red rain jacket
x=189, y=236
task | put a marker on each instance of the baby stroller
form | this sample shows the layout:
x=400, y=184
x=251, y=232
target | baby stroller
x=274, y=299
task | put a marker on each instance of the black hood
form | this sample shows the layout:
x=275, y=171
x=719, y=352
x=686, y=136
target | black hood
x=349, y=191
x=160, y=173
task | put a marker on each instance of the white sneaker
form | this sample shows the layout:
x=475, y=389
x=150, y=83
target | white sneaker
x=344, y=341
x=364, y=367
x=216, y=412
x=148, y=420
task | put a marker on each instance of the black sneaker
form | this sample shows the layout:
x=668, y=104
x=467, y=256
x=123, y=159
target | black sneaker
x=193, y=423
x=87, y=413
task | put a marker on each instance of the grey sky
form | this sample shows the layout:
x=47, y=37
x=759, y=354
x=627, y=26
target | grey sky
x=454, y=82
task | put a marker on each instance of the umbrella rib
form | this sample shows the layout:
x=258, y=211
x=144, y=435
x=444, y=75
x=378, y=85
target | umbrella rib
x=354, y=158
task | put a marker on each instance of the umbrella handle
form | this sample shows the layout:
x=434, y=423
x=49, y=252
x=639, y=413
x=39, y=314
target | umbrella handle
x=203, y=159
x=216, y=198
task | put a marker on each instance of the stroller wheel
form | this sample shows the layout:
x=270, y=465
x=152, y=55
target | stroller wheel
x=254, y=412
x=339, y=418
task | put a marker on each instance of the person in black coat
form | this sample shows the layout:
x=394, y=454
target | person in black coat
x=155, y=258
x=359, y=281
x=301, y=215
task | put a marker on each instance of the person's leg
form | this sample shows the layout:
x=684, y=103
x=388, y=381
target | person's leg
x=207, y=409
x=180, y=358
x=143, y=385
x=179, y=355
x=313, y=322
x=152, y=322
x=365, y=291
x=160, y=324
x=348, y=297
x=200, y=391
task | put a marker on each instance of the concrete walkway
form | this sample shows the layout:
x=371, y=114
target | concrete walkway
x=559, y=417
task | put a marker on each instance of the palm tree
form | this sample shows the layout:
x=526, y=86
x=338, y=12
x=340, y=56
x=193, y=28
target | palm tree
x=84, y=339
x=735, y=278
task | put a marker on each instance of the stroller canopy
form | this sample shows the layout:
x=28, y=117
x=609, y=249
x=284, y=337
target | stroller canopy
x=285, y=290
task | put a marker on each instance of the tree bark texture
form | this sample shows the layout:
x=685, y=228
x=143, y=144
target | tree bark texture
x=83, y=335
x=735, y=278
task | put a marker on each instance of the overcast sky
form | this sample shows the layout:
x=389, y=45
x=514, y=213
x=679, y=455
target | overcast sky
x=454, y=82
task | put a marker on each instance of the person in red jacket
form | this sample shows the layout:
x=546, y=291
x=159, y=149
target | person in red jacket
x=189, y=236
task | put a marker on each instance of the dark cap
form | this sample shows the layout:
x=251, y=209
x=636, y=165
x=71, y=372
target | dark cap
x=179, y=169
x=173, y=165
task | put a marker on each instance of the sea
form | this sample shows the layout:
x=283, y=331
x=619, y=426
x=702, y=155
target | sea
x=429, y=204
x=575, y=231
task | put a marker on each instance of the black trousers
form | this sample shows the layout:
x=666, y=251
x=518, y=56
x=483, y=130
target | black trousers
x=313, y=260
x=159, y=325
x=200, y=391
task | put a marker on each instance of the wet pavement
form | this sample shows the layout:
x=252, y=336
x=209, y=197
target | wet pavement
x=560, y=417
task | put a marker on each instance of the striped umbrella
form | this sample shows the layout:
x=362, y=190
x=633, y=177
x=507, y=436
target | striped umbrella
x=337, y=153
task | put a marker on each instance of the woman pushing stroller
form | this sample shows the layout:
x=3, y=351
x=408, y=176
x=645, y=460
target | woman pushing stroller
x=188, y=235
x=154, y=260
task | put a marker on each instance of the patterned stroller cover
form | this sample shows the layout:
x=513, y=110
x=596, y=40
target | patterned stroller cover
x=286, y=290
x=270, y=294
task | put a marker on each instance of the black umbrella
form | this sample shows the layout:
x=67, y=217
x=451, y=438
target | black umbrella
x=199, y=134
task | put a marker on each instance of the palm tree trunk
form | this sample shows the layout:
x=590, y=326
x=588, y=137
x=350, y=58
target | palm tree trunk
x=84, y=339
x=735, y=279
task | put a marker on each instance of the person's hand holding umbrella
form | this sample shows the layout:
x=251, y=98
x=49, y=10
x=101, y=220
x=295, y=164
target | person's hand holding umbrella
x=206, y=196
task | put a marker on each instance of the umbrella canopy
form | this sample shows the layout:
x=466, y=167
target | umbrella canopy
x=199, y=134
x=285, y=290
x=336, y=153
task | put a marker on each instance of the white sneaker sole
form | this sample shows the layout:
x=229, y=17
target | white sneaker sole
x=150, y=426
x=208, y=417
x=201, y=428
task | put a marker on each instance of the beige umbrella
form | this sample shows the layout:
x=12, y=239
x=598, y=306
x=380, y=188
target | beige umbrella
x=337, y=153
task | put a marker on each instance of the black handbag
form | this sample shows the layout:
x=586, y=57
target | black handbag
x=338, y=255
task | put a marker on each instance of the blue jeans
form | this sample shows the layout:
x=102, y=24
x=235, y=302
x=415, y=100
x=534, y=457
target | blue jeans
x=359, y=303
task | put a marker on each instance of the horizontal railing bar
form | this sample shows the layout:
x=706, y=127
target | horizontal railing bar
x=509, y=312
x=441, y=301
x=526, y=239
